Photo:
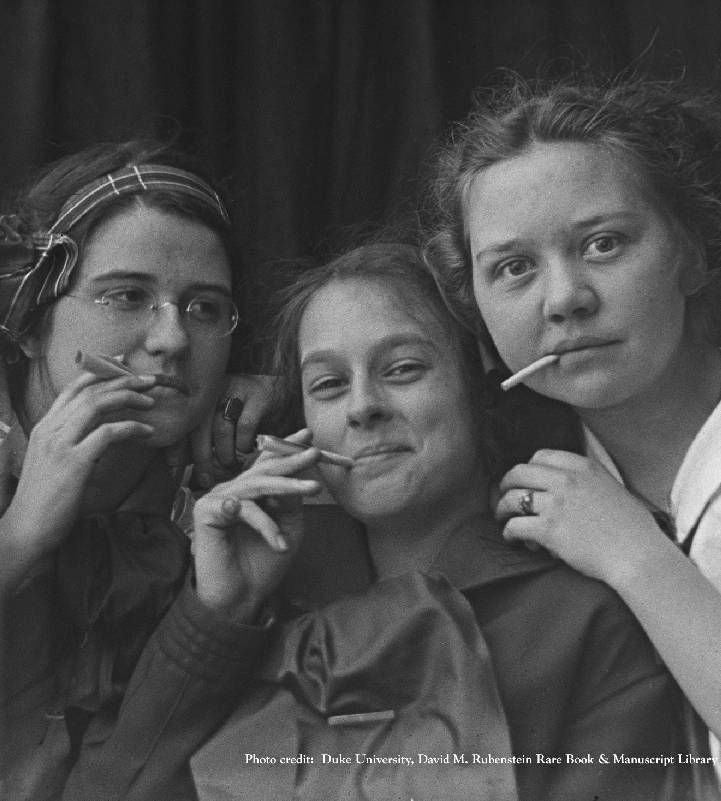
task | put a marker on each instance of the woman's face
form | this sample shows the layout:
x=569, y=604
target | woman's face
x=571, y=256
x=176, y=259
x=384, y=386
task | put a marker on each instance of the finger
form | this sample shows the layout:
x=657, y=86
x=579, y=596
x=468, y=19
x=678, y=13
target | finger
x=224, y=511
x=224, y=439
x=259, y=486
x=526, y=530
x=248, y=424
x=252, y=515
x=509, y=504
x=86, y=412
x=530, y=476
x=84, y=380
x=256, y=392
x=564, y=460
x=97, y=442
x=278, y=464
x=201, y=448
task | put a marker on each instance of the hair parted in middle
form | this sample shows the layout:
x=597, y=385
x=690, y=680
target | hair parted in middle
x=507, y=432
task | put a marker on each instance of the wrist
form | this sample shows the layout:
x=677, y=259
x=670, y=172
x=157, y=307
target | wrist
x=648, y=558
x=240, y=608
x=17, y=555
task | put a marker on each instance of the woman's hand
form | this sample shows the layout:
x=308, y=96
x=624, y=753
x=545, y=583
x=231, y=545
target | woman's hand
x=214, y=445
x=247, y=530
x=580, y=513
x=62, y=451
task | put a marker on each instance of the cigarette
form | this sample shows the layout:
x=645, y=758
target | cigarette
x=267, y=442
x=101, y=366
x=361, y=718
x=523, y=374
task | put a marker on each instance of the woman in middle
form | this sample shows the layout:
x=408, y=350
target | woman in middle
x=535, y=680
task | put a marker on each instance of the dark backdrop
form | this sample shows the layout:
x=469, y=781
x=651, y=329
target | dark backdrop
x=317, y=113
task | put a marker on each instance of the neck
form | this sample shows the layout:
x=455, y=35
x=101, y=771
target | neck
x=648, y=435
x=411, y=540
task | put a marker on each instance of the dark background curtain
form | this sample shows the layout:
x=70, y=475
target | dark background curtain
x=318, y=114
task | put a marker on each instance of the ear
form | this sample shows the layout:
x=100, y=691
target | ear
x=694, y=271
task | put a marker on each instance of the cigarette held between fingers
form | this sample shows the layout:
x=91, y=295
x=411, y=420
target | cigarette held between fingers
x=101, y=366
x=267, y=442
x=521, y=375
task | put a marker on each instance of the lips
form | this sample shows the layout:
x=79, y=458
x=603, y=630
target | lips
x=581, y=343
x=172, y=381
x=380, y=449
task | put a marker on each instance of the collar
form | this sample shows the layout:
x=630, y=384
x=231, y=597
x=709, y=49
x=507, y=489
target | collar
x=476, y=555
x=699, y=477
x=334, y=559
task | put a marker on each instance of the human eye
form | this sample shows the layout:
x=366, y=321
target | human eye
x=205, y=309
x=127, y=298
x=603, y=246
x=514, y=268
x=326, y=387
x=405, y=371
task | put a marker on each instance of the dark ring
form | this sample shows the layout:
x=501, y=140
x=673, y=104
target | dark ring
x=232, y=408
x=526, y=502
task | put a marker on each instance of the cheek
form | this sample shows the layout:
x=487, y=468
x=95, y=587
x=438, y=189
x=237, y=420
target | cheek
x=326, y=421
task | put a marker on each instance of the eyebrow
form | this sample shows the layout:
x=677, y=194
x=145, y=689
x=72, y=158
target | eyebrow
x=147, y=278
x=387, y=343
x=509, y=245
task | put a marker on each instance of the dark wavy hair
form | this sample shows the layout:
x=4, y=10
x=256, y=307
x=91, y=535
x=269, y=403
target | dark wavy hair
x=506, y=437
x=669, y=133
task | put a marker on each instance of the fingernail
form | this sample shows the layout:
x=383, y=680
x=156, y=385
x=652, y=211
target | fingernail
x=147, y=379
x=230, y=506
x=281, y=542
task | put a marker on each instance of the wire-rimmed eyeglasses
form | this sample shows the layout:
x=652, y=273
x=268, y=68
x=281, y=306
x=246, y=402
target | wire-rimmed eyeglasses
x=205, y=314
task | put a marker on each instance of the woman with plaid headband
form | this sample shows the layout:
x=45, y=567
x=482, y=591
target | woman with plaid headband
x=115, y=312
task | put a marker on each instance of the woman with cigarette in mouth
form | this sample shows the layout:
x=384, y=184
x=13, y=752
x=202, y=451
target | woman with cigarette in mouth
x=116, y=313
x=372, y=362
x=582, y=221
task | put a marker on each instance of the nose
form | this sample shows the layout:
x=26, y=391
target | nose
x=569, y=291
x=367, y=405
x=166, y=332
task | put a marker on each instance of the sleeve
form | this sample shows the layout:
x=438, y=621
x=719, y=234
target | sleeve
x=186, y=683
x=623, y=734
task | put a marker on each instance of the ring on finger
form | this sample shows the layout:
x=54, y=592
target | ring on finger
x=525, y=504
x=232, y=408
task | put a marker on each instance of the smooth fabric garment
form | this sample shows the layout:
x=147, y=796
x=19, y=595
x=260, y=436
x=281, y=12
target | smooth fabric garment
x=113, y=671
x=575, y=673
x=408, y=647
x=695, y=506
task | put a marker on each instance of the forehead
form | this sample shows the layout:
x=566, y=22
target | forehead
x=363, y=311
x=165, y=248
x=569, y=181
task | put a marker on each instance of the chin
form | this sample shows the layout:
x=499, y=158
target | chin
x=368, y=507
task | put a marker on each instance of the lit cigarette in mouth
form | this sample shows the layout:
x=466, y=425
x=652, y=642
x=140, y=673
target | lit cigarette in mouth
x=101, y=366
x=267, y=442
x=523, y=374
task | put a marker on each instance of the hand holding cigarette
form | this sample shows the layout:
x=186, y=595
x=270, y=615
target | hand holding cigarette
x=267, y=442
x=523, y=374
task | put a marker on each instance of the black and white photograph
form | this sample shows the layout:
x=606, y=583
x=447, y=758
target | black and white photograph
x=360, y=400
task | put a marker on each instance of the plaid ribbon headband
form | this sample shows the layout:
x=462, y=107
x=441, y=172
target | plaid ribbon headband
x=36, y=269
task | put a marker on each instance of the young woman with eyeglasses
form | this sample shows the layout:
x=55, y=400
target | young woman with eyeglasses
x=119, y=656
